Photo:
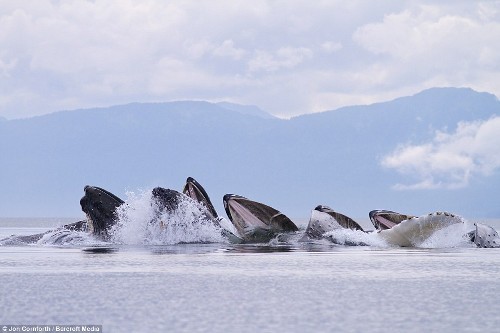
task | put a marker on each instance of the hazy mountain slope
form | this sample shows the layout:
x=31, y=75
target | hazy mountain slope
x=330, y=158
x=251, y=110
x=356, y=138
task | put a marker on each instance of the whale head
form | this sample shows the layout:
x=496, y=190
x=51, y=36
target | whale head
x=343, y=220
x=386, y=219
x=324, y=219
x=194, y=190
x=255, y=221
x=484, y=236
x=100, y=207
x=167, y=199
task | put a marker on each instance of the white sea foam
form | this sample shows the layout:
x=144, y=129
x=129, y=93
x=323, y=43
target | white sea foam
x=345, y=236
x=142, y=221
x=452, y=236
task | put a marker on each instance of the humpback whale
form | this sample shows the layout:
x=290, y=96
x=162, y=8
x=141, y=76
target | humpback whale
x=257, y=222
x=413, y=231
x=391, y=227
x=58, y=233
x=100, y=207
x=166, y=199
x=324, y=219
x=386, y=219
x=194, y=190
x=254, y=221
x=484, y=236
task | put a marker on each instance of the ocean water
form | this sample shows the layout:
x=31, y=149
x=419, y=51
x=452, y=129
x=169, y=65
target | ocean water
x=147, y=280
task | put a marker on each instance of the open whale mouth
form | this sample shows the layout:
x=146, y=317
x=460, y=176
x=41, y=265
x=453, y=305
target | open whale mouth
x=99, y=206
x=243, y=214
x=194, y=190
x=255, y=221
x=324, y=219
x=341, y=219
x=386, y=219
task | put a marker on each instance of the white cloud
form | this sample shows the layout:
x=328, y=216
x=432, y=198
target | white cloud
x=227, y=49
x=450, y=160
x=287, y=58
x=196, y=49
x=331, y=47
x=434, y=43
x=73, y=54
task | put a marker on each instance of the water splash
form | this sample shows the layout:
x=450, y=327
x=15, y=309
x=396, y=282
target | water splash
x=432, y=230
x=141, y=221
x=452, y=236
x=355, y=238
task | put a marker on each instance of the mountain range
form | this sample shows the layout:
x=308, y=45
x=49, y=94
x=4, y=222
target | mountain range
x=331, y=158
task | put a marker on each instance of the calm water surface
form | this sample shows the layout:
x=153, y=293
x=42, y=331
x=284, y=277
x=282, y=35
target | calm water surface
x=222, y=287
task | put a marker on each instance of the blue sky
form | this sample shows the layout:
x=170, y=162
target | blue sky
x=287, y=57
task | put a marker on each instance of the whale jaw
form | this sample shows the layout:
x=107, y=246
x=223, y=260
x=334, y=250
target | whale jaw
x=100, y=207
